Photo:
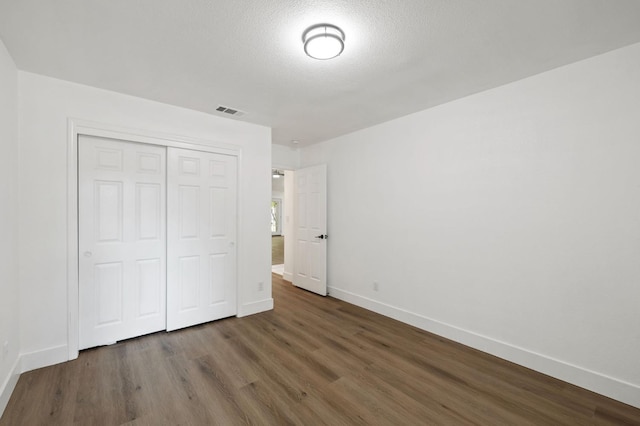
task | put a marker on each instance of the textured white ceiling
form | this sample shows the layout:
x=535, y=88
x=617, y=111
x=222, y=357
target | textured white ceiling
x=401, y=56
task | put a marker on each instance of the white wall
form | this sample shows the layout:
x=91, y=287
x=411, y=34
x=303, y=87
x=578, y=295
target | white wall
x=45, y=106
x=284, y=157
x=508, y=220
x=9, y=289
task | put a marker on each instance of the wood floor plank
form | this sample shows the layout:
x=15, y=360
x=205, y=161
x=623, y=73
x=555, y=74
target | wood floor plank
x=311, y=361
x=447, y=371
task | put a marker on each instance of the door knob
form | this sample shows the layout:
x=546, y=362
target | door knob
x=88, y=254
x=322, y=236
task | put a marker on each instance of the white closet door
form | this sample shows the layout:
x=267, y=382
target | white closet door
x=201, y=237
x=122, y=240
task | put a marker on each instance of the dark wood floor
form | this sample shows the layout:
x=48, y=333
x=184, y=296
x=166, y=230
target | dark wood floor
x=311, y=361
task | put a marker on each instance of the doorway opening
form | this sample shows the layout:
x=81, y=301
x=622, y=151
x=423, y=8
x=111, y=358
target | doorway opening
x=303, y=225
x=279, y=218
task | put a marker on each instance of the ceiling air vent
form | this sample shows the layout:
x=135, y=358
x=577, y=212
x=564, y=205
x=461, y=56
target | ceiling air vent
x=231, y=111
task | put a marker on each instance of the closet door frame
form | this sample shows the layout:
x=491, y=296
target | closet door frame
x=75, y=128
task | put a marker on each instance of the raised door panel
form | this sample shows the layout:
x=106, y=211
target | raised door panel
x=108, y=293
x=150, y=163
x=149, y=288
x=188, y=282
x=149, y=211
x=218, y=221
x=217, y=277
x=302, y=260
x=108, y=211
x=188, y=211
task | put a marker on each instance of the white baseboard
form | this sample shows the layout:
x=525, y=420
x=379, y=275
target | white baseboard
x=287, y=276
x=9, y=385
x=255, y=307
x=44, y=358
x=591, y=380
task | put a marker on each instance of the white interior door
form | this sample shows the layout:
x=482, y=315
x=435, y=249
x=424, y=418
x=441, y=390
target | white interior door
x=310, y=267
x=122, y=251
x=201, y=236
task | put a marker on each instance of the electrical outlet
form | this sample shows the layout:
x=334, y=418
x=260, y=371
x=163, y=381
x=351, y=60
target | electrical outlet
x=376, y=286
x=260, y=286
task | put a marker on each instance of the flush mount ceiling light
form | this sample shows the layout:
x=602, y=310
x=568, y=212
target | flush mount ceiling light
x=323, y=41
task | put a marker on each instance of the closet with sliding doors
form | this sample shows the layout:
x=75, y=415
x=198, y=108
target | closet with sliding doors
x=156, y=238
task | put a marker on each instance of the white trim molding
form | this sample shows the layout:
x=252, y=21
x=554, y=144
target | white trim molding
x=287, y=276
x=9, y=385
x=43, y=358
x=591, y=380
x=255, y=307
x=27, y=362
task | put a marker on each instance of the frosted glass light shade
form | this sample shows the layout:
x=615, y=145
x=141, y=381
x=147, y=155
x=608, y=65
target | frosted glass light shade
x=323, y=41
